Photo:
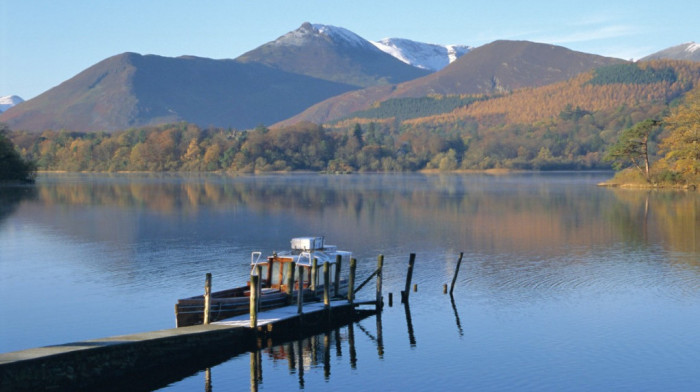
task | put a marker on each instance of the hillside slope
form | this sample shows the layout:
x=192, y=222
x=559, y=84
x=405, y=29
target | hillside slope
x=498, y=67
x=130, y=90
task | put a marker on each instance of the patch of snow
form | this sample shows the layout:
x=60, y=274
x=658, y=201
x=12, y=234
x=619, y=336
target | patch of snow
x=339, y=34
x=427, y=56
x=9, y=101
x=692, y=47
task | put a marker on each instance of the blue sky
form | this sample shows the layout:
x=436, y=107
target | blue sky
x=45, y=42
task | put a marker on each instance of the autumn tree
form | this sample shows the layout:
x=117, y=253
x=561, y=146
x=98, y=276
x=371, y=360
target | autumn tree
x=632, y=147
x=682, y=146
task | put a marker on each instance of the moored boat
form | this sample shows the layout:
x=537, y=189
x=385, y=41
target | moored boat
x=274, y=276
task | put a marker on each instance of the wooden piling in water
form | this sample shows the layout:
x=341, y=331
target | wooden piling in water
x=300, y=295
x=454, y=279
x=314, y=275
x=326, y=284
x=444, y=288
x=351, y=280
x=380, y=264
x=260, y=284
x=207, y=297
x=254, y=281
x=290, y=281
x=409, y=277
x=336, y=280
x=391, y=299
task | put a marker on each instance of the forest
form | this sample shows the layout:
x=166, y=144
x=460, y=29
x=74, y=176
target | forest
x=565, y=126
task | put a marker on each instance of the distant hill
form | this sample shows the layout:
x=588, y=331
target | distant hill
x=687, y=51
x=130, y=90
x=498, y=67
x=263, y=86
x=332, y=53
x=9, y=101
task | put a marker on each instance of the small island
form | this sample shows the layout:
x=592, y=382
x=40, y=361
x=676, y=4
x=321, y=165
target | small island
x=678, y=149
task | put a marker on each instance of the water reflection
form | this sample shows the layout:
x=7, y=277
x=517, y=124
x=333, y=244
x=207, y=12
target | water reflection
x=409, y=323
x=308, y=353
x=523, y=213
x=454, y=308
x=11, y=196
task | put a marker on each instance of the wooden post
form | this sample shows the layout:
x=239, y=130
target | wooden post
x=260, y=285
x=269, y=272
x=207, y=297
x=380, y=263
x=290, y=281
x=444, y=288
x=409, y=277
x=300, y=296
x=391, y=299
x=415, y=287
x=454, y=279
x=326, y=284
x=336, y=280
x=351, y=280
x=314, y=275
x=254, y=282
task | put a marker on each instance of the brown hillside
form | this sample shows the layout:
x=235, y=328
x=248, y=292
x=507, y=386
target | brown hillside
x=498, y=67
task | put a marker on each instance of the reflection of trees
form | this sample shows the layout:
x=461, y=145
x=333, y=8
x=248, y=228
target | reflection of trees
x=668, y=217
x=12, y=195
x=477, y=210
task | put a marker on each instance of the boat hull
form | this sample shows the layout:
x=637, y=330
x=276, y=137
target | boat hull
x=233, y=302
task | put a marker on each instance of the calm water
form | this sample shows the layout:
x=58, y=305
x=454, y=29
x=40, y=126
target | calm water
x=564, y=285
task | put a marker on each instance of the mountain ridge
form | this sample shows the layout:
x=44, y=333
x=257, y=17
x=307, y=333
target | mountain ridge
x=497, y=67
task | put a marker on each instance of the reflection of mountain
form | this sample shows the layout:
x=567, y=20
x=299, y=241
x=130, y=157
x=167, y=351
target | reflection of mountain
x=511, y=214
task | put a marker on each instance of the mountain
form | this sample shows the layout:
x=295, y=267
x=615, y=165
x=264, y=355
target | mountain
x=9, y=101
x=130, y=90
x=425, y=56
x=687, y=51
x=498, y=67
x=332, y=53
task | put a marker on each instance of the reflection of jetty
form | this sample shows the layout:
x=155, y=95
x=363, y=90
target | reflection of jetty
x=116, y=362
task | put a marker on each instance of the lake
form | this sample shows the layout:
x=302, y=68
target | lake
x=563, y=285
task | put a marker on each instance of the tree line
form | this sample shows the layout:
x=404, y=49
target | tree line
x=571, y=125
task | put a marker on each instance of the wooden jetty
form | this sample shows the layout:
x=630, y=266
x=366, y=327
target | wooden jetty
x=113, y=363
x=110, y=363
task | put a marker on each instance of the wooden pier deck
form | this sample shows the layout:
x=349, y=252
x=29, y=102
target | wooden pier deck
x=115, y=363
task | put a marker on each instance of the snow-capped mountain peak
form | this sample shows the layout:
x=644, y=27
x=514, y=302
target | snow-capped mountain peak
x=427, y=56
x=308, y=32
x=9, y=101
x=341, y=35
x=692, y=47
x=686, y=51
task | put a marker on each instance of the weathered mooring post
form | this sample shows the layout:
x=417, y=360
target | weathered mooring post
x=454, y=279
x=351, y=280
x=314, y=275
x=260, y=284
x=409, y=276
x=290, y=281
x=336, y=280
x=326, y=284
x=254, y=281
x=380, y=263
x=207, y=297
x=300, y=296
